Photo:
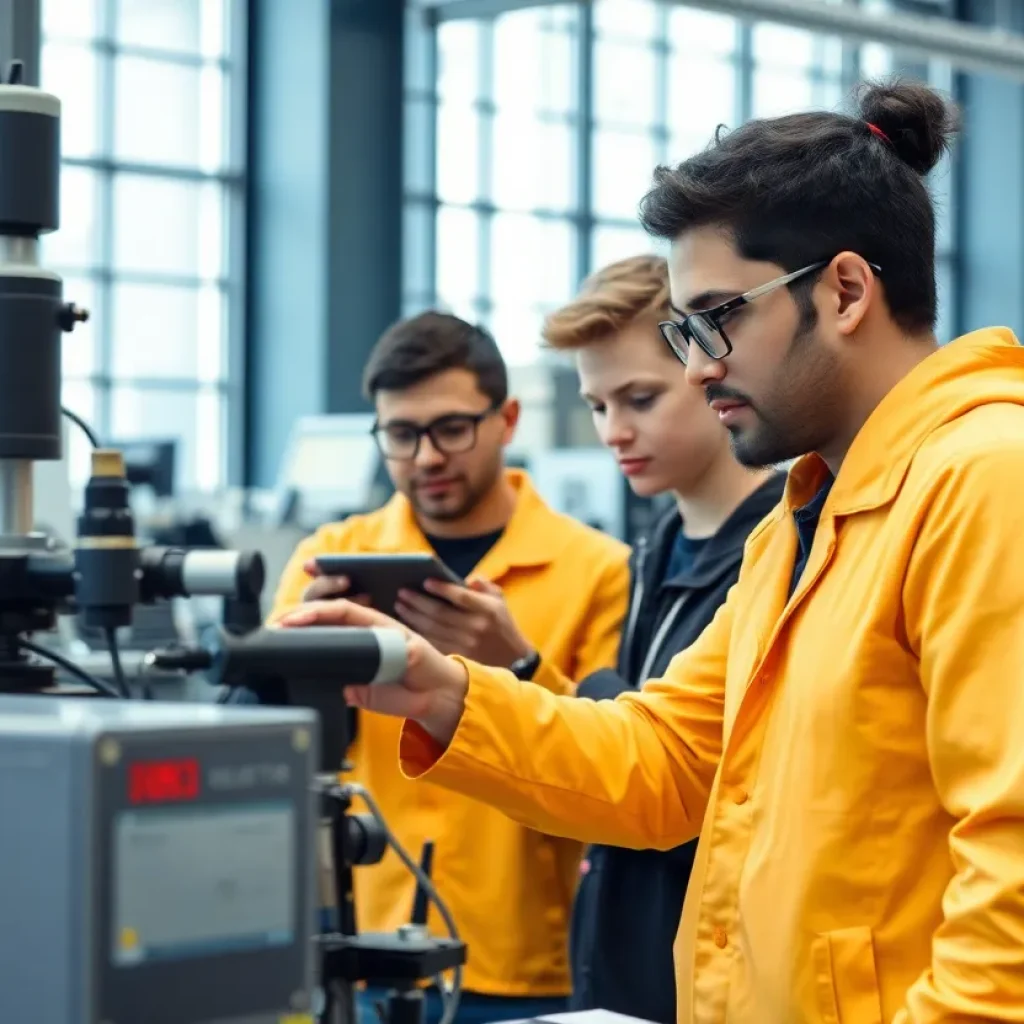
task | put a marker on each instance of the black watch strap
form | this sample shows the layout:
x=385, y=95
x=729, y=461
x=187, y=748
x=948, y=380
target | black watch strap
x=526, y=668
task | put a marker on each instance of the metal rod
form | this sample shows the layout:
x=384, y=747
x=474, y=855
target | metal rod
x=965, y=46
x=15, y=497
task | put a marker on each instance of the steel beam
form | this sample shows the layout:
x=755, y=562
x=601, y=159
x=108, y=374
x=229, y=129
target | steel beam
x=966, y=47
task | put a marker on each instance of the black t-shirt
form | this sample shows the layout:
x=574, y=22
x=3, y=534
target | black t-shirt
x=807, y=517
x=463, y=554
x=683, y=555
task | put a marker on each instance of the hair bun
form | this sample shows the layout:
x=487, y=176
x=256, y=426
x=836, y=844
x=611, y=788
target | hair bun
x=918, y=122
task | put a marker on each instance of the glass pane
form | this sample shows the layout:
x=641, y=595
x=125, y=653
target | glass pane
x=418, y=124
x=78, y=349
x=701, y=32
x=169, y=227
x=533, y=261
x=829, y=94
x=940, y=183
x=875, y=61
x=167, y=331
x=458, y=61
x=534, y=164
x=945, y=281
x=781, y=92
x=169, y=114
x=781, y=46
x=152, y=412
x=610, y=243
x=76, y=242
x=550, y=84
x=516, y=329
x=417, y=248
x=418, y=55
x=211, y=420
x=72, y=18
x=185, y=26
x=458, y=154
x=702, y=94
x=458, y=259
x=625, y=84
x=71, y=72
x=829, y=55
x=635, y=19
x=623, y=169
x=81, y=398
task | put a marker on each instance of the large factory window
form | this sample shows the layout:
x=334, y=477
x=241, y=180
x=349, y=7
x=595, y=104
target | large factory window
x=151, y=196
x=506, y=189
x=550, y=119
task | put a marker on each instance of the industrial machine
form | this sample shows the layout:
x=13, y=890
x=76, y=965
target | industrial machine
x=156, y=860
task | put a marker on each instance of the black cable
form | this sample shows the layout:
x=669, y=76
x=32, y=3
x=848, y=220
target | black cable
x=82, y=426
x=69, y=666
x=115, y=662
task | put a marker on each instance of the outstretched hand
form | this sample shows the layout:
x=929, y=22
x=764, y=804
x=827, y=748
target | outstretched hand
x=432, y=691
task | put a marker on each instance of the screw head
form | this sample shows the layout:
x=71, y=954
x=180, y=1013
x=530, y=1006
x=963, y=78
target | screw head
x=110, y=752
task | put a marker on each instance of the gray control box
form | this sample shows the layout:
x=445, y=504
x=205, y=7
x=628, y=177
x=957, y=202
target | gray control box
x=156, y=862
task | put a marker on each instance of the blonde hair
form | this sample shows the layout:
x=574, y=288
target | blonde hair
x=610, y=300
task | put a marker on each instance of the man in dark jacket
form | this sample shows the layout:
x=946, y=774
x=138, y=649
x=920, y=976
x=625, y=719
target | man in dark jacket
x=666, y=440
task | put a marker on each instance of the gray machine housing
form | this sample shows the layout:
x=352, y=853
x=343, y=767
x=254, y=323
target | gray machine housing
x=95, y=864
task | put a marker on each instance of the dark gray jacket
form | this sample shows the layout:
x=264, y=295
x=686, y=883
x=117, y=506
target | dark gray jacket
x=630, y=901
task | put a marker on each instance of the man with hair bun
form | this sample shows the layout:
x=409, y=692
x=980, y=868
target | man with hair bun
x=847, y=736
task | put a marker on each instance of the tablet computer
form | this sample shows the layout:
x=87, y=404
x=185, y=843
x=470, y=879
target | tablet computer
x=380, y=577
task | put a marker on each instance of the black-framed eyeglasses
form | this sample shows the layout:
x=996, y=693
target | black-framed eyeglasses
x=451, y=434
x=705, y=326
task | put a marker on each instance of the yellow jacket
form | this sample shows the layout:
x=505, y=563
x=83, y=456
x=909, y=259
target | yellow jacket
x=855, y=753
x=509, y=888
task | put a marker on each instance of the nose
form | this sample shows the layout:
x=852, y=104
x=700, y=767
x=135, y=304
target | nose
x=428, y=456
x=618, y=431
x=701, y=369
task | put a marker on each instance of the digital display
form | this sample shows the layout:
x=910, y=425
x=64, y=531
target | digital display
x=161, y=782
x=195, y=882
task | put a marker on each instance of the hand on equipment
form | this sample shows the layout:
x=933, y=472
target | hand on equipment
x=473, y=621
x=433, y=690
x=325, y=588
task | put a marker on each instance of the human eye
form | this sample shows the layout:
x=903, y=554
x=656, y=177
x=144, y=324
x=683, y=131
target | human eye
x=642, y=401
x=454, y=428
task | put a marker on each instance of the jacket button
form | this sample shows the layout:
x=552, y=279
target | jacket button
x=721, y=939
x=740, y=797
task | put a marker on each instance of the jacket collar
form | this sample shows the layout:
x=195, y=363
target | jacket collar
x=971, y=371
x=534, y=536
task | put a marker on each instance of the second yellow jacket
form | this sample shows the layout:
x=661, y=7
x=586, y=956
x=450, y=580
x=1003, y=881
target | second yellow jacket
x=855, y=751
x=509, y=888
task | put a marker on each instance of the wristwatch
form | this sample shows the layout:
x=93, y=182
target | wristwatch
x=525, y=668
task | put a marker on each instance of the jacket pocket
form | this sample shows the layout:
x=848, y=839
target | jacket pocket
x=845, y=978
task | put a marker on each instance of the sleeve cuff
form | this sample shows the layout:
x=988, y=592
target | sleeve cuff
x=419, y=754
x=418, y=751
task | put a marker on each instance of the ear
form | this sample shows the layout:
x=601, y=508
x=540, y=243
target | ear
x=510, y=414
x=855, y=286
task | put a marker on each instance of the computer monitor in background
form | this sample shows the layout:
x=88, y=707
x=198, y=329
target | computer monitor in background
x=584, y=483
x=331, y=465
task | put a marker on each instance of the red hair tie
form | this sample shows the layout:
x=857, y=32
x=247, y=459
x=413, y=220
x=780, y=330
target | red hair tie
x=875, y=130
